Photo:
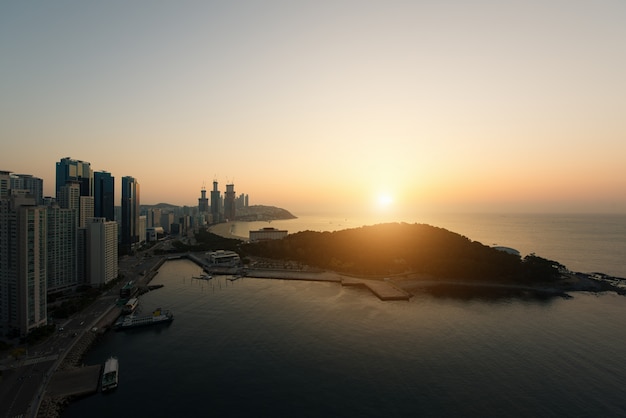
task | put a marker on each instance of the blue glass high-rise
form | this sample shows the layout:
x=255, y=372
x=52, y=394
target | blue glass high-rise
x=104, y=195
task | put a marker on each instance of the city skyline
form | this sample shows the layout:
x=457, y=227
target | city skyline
x=343, y=106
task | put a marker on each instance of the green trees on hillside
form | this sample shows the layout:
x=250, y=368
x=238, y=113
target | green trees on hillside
x=397, y=248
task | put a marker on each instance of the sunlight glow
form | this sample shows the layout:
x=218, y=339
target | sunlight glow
x=384, y=201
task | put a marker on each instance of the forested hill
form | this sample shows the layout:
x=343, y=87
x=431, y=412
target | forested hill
x=397, y=248
x=262, y=213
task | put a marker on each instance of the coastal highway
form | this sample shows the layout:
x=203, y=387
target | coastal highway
x=23, y=381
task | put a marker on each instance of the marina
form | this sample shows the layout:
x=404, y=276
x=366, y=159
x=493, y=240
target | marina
x=338, y=339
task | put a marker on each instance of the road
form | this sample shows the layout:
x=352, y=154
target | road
x=23, y=381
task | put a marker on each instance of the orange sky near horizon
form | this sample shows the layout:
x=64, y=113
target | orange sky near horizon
x=488, y=107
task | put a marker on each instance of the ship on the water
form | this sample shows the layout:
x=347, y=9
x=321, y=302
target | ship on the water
x=158, y=316
x=110, y=374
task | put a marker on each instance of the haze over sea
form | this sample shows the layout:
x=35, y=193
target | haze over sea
x=269, y=348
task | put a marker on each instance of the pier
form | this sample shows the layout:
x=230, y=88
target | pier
x=75, y=382
x=383, y=289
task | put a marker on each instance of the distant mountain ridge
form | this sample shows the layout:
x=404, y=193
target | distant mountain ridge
x=262, y=213
x=161, y=206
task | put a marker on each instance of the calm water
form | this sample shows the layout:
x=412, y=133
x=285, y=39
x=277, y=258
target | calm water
x=585, y=243
x=284, y=348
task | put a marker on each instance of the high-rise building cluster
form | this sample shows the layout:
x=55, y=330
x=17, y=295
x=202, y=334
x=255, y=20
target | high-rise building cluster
x=221, y=209
x=54, y=244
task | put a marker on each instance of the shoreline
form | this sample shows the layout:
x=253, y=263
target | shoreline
x=410, y=282
x=393, y=289
x=224, y=230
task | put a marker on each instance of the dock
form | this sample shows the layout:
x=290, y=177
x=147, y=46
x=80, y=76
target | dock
x=383, y=289
x=75, y=382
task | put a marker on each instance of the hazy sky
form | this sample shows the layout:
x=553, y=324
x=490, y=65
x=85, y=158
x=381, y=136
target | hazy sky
x=438, y=105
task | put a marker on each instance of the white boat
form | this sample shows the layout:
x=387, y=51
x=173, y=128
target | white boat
x=158, y=316
x=110, y=374
x=203, y=276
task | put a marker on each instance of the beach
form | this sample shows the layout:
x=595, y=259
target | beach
x=225, y=230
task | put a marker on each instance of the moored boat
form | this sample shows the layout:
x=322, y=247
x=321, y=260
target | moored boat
x=158, y=316
x=110, y=374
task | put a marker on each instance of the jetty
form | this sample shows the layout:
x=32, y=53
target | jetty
x=74, y=382
x=383, y=289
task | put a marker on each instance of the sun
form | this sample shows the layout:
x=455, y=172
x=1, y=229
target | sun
x=384, y=201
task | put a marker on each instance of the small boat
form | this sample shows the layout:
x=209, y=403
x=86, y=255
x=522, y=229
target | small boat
x=110, y=374
x=203, y=276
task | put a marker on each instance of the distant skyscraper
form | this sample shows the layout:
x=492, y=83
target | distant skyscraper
x=203, y=202
x=104, y=195
x=62, y=248
x=242, y=201
x=130, y=213
x=27, y=182
x=229, y=202
x=86, y=210
x=68, y=196
x=22, y=262
x=154, y=218
x=166, y=221
x=215, y=203
x=74, y=170
x=142, y=229
x=5, y=184
x=101, y=243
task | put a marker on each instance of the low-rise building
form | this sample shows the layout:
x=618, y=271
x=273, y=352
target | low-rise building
x=223, y=258
x=267, y=233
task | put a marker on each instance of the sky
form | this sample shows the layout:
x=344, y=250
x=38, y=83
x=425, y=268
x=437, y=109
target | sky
x=408, y=106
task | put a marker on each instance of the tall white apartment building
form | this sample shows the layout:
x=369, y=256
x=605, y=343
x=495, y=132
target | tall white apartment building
x=86, y=205
x=62, y=248
x=101, y=250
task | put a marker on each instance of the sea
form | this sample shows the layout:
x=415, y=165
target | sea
x=281, y=348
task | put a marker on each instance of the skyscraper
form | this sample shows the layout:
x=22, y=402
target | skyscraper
x=101, y=260
x=27, y=182
x=62, y=248
x=104, y=195
x=229, y=202
x=215, y=203
x=203, y=202
x=5, y=184
x=23, y=263
x=86, y=210
x=74, y=170
x=130, y=213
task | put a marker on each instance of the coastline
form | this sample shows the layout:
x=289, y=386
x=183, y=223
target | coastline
x=414, y=283
x=224, y=230
x=402, y=287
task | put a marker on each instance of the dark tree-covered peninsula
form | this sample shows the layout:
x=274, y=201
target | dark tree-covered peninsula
x=401, y=248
